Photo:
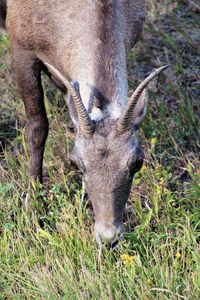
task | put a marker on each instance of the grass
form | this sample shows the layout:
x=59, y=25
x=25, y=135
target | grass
x=48, y=252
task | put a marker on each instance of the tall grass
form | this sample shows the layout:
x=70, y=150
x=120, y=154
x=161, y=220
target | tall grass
x=47, y=249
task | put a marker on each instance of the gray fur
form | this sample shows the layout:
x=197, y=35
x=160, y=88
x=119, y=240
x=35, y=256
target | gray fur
x=87, y=41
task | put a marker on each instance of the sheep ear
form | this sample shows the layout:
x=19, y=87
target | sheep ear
x=140, y=109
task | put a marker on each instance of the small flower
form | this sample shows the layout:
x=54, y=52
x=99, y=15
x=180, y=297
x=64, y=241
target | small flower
x=157, y=167
x=149, y=282
x=177, y=255
x=161, y=181
x=144, y=167
x=127, y=259
x=153, y=141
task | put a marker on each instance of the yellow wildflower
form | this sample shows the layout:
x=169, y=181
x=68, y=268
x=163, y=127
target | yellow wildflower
x=157, y=167
x=144, y=167
x=149, y=282
x=127, y=259
x=153, y=141
x=178, y=255
x=161, y=181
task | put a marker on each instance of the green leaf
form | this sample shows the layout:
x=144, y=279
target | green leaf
x=144, y=222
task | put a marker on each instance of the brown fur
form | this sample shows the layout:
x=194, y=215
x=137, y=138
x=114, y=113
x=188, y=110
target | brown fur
x=87, y=41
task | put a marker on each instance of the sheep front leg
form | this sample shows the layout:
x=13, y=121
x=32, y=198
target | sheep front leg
x=27, y=69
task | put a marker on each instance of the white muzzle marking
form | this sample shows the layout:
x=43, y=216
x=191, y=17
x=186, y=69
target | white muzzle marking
x=107, y=233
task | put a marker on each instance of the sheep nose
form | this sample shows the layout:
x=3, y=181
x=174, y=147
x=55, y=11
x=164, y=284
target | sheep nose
x=108, y=234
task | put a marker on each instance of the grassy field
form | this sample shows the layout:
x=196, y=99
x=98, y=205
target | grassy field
x=48, y=251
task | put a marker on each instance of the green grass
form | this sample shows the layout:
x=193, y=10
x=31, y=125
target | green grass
x=48, y=251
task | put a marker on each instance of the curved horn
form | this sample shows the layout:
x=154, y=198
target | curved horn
x=86, y=123
x=125, y=121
